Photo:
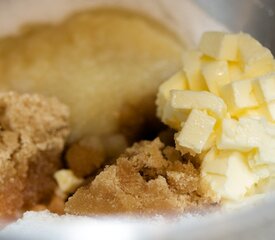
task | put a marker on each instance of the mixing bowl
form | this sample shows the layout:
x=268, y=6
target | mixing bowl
x=189, y=19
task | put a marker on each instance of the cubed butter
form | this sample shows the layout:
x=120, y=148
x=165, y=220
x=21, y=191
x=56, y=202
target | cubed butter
x=266, y=110
x=192, y=69
x=67, y=181
x=235, y=71
x=231, y=178
x=223, y=106
x=239, y=96
x=215, y=183
x=219, y=45
x=174, y=117
x=256, y=59
x=258, y=112
x=177, y=81
x=202, y=100
x=270, y=109
x=263, y=171
x=212, y=163
x=264, y=88
x=239, y=135
x=216, y=75
x=195, y=132
x=248, y=134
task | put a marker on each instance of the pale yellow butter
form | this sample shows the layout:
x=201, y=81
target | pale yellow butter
x=256, y=59
x=216, y=75
x=264, y=88
x=192, y=69
x=67, y=181
x=174, y=117
x=202, y=100
x=239, y=96
x=219, y=45
x=237, y=179
x=225, y=113
x=195, y=132
x=270, y=109
x=177, y=81
x=239, y=135
x=235, y=71
x=247, y=134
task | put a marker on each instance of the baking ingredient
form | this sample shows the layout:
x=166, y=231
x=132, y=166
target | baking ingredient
x=230, y=125
x=191, y=68
x=33, y=130
x=67, y=181
x=98, y=63
x=195, y=132
x=148, y=178
x=219, y=45
x=239, y=96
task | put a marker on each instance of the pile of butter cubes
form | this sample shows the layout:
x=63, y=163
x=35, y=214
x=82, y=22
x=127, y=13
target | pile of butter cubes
x=222, y=105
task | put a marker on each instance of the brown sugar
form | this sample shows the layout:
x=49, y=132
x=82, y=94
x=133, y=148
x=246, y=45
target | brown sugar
x=32, y=135
x=87, y=155
x=148, y=178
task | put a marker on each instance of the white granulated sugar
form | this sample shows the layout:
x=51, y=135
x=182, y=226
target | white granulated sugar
x=45, y=225
x=51, y=226
x=221, y=224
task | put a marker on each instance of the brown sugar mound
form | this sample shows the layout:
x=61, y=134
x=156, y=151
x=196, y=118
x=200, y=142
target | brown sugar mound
x=32, y=135
x=86, y=156
x=148, y=178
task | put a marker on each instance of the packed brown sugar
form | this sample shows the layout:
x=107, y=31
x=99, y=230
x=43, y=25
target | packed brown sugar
x=148, y=178
x=32, y=137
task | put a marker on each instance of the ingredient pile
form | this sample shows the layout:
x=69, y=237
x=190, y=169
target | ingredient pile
x=222, y=105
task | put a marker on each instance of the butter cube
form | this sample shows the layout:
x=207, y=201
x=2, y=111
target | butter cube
x=265, y=110
x=219, y=45
x=177, y=81
x=239, y=135
x=248, y=134
x=239, y=96
x=264, y=88
x=261, y=170
x=235, y=71
x=67, y=181
x=215, y=183
x=216, y=75
x=235, y=178
x=256, y=113
x=195, y=132
x=256, y=59
x=174, y=117
x=211, y=163
x=188, y=100
x=270, y=109
x=192, y=69
x=266, y=154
